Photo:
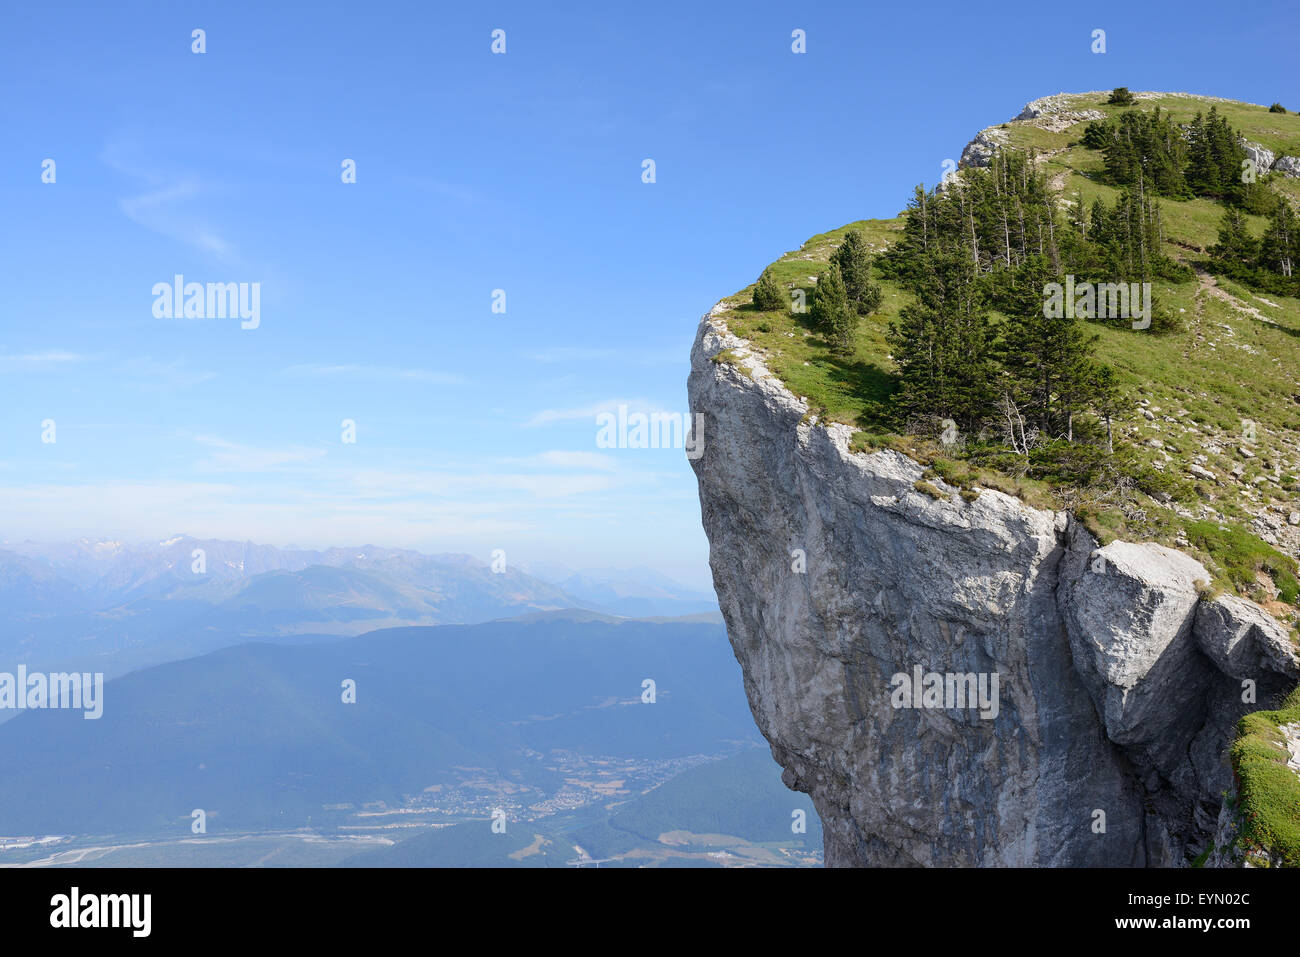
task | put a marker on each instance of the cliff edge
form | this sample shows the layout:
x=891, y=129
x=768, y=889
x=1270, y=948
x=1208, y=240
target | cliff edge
x=957, y=678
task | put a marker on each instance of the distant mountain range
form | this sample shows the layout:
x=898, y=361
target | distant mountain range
x=635, y=592
x=259, y=735
x=109, y=606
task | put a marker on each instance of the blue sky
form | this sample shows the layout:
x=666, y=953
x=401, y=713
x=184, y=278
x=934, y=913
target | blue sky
x=475, y=172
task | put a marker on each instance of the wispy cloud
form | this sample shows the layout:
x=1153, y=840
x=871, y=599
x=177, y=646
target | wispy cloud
x=376, y=372
x=438, y=187
x=166, y=206
x=638, y=357
x=559, y=458
x=158, y=210
x=40, y=360
x=236, y=457
x=549, y=416
x=148, y=373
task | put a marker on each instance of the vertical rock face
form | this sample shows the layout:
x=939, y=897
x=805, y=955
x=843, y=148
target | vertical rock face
x=1116, y=687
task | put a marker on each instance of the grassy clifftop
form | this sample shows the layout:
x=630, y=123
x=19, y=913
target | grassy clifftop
x=1218, y=400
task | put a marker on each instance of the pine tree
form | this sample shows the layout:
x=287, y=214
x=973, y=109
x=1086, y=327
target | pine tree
x=1236, y=247
x=1200, y=174
x=1049, y=357
x=1096, y=134
x=769, y=295
x=1279, y=250
x=940, y=344
x=855, y=266
x=832, y=312
x=1109, y=402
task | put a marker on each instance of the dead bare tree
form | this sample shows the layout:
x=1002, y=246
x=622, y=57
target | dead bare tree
x=1017, y=434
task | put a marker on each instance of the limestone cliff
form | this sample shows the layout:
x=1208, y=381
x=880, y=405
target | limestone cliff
x=1118, y=685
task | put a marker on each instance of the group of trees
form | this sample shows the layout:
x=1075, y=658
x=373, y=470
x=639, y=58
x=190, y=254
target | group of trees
x=977, y=345
x=1000, y=216
x=843, y=293
x=1268, y=263
x=1026, y=374
x=1139, y=147
x=1123, y=240
x=1152, y=152
x=991, y=245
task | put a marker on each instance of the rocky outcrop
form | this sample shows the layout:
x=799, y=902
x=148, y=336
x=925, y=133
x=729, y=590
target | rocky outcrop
x=1056, y=113
x=1264, y=160
x=1261, y=157
x=1287, y=166
x=980, y=150
x=962, y=679
x=1052, y=113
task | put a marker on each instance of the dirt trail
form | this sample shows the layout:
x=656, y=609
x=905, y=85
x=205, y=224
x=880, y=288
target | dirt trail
x=1210, y=285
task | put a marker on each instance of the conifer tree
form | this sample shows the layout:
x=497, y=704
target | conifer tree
x=855, y=266
x=769, y=296
x=1108, y=400
x=1279, y=250
x=941, y=344
x=1048, y=357
x=832, y=312
x=1236, y=248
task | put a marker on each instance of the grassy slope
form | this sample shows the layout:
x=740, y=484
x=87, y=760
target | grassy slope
x=1237, y=358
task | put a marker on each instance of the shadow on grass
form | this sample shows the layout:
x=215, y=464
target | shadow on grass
x=873, y=385
x=1293, y=333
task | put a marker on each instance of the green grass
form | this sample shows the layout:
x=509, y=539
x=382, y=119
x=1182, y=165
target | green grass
x=1238, y=558
x=1202, y=383
x=1268, y=792
x=1280, y=132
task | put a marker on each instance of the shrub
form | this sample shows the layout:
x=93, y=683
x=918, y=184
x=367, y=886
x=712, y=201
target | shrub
x=1277, y=108
x=1120, y=96
x=930, y=490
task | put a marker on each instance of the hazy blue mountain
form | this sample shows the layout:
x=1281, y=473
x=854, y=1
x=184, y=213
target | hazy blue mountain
x=106, y=606
x=633, y=592
x=117, y=572
x=257, y=735
x=29, y=586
